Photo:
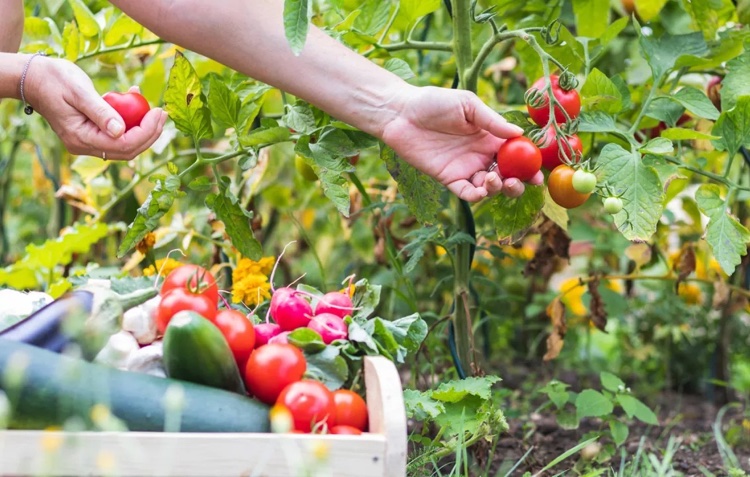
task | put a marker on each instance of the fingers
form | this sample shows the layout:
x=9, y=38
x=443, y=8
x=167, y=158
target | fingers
x=100, y=112
x=127, y=146
x=467, y=191
x=486, y=118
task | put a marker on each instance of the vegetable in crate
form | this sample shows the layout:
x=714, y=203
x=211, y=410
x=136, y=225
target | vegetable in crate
x=46, y=389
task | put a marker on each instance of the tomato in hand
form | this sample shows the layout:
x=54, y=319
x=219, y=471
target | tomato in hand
x=273, y=367
x=239, y=332
x=351, y=409
x=181, y=299
x=569, y=100
x=520, y=158
x=311, y=404
x=560, y=185
x=193, y=278
x=552, y=153
x=131, y=106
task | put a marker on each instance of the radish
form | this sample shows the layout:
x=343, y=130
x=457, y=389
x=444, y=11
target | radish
x=264, y=332
x=329, y=326
x=290, y=309
x=335, y=303
x=281, y=338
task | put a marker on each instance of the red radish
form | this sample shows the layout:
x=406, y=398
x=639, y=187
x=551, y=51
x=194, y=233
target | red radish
x=329, y=326
x=281, y=338
x=335, y=303
x=264, y=332
x=290, y=309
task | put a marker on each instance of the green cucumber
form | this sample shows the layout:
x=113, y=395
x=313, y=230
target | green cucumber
x=195, y=350
x=47, y=389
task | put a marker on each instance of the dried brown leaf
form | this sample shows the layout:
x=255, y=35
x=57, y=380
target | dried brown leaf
x=598, y=312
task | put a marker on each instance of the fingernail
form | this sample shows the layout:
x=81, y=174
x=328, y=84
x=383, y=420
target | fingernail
x=483, y=192
x=115, y=127
x=516, y=129
x=491, y=177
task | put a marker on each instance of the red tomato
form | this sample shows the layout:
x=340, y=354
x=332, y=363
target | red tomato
x=273, y=367
x=132, y=107
x=351, y=409
x=239, y=332
x=569, y=100
x=193, y=278
x=311, y=404
x=713, y=90
x=552, y=153
x=180, y=299
x=345, y=430
x=560, y=185
x=520, y=158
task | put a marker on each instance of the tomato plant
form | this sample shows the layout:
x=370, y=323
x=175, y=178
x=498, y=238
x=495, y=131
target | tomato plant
x=560, y=185
x=180, y=299
x=612, y=205
x=554, y=152
x=131, y=106
x=239, y=333
x=271, y=368
x=569, y=102
x=584, y=182
x=351, y=409
x=311, y=405
x=193, y=278
x=520, y=158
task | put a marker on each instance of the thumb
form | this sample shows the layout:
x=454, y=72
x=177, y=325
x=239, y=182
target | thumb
x=102, y=114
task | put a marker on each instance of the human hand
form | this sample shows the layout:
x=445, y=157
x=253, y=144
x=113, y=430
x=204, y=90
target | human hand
x=65, y=96
x=453, y=136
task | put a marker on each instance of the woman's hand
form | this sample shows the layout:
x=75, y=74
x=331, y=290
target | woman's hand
x=65, y=96
x=453, y=136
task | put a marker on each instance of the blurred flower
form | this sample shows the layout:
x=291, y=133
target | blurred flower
x=690, y=293
x=572, y=294
x=251, y=290
x=147, y=243
x=164, y=266
x=246, y=267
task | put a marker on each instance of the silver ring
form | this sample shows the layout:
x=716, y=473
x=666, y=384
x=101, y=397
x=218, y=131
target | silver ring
x=492, y=167
x=104, y=155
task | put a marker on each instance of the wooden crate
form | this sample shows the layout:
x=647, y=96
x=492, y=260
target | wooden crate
x=379, y=453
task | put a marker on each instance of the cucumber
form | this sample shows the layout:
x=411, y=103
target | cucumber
x=195, y=350
x=54, y=388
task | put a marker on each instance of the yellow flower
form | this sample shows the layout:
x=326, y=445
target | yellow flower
x=690, y=293
x=163, y=266
x=251, y=290
x=573, y=292
x=247, y=267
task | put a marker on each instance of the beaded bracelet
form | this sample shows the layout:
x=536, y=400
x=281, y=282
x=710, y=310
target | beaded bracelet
x=28, y=109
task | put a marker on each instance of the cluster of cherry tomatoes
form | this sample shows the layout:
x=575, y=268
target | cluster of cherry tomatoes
x=274, y=370
x=570, y=182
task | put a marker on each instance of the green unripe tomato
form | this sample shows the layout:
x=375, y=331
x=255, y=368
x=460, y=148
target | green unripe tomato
x=612, y=205
x=584, y=182
x=304, y=169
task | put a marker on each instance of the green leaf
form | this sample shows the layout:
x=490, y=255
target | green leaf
x=735, y=83
x=158, y=203
x=400, y=68
x=658, y=146
x=122, y=28
x=591, y=17
x=297, y=23
x=648, y=9
x=664, y=109
x=366, y=298
x=412, y=10
x=60, y=250
x=600, y=93
x=639, y=187
x=236, y=221
x=662, y=53
x=726, y=236
x=87, y=24
x=682, y=134
x=184, y=101
x=36, y=28
x=300, y=117
x=557, y=393
x=201, y=184
x=634, y=407
x=71, y=40
x=89, y=167
x=709, y=15
x=395, y=339
x=515, y=215
x=695, y=101
x=734, y=127
x=374, y=16
x=667, y=171
x=223, y=103
x=457, y=390
x=597, y=122
x=610, y=382
x=554, y=212
x=265, y=136
x=614, y=30
x=568, y=420
x=307, y=340
x=328, y=367
x=421, y=193
x=420, y=406
x=619, y=432
x=591, y=403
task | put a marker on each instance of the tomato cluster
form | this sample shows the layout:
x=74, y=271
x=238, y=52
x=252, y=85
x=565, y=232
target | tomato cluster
x=274, y=370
